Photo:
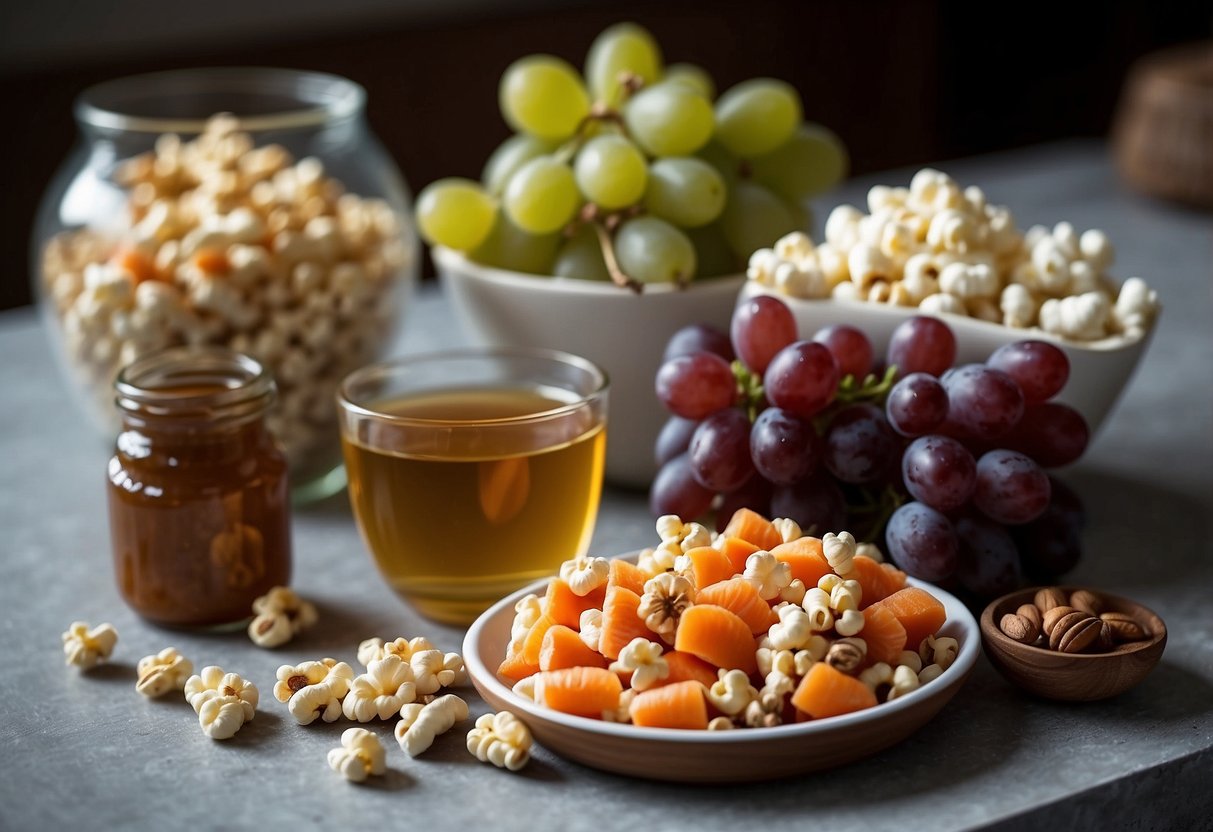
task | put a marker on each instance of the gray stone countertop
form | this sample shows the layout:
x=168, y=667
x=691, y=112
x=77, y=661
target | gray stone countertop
x=84, y=751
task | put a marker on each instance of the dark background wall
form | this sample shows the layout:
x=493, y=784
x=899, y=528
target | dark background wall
x=902, y=82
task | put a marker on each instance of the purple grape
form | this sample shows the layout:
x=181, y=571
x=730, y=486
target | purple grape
x=694, y=386
x=989, y=560
x=916, y=405
x=674, y=438
x=802, y=378
x=983, y=403
x=922, y=542
x=922, y=345
x=939, y=471
x=720, y=450
x=1052, y=433
x=859, y=445
x=850, y=347
x=1066, y=500
x=761, y=327
x=675, y=491
x=784, y=448
x=1051, y=545
x=1011, y=488
x=698, y=338
x=754, y=495
x=1039, y=368
x=815, y=503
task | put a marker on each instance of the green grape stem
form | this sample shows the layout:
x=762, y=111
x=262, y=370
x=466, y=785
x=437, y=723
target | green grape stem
x=612, y=263
x=868, y=512
x=751, y=396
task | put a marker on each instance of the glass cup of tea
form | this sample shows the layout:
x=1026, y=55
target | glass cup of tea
x=473, y=472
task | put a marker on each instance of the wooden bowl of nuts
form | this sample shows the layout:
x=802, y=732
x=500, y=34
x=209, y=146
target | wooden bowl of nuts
x=1071, y=643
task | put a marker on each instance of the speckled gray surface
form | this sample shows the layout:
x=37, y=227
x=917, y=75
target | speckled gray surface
x=84, y=751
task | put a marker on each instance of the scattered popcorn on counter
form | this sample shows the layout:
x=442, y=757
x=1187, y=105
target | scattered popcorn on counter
x=948, y=251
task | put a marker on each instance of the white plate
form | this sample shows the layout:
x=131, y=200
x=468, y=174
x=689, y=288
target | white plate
x=717, y=756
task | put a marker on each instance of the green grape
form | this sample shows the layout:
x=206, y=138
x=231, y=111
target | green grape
x=581, y=257
x=653, y=251
x=669, y=119
x=543, y=96
x=622, y=48
x=693, y=76
x=812, y=161
x=611, y=172
x=509, y=247
x=686, y=191
x=542, y=196
x=725, y=163
x=712, y=253
x=757, y=116
x=510, y=155
x=754, y=218
x=455, y=213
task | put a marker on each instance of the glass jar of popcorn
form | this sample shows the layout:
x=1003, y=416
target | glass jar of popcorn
x=248, y=208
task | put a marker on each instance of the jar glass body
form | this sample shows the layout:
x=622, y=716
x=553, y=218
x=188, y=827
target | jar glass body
x=197, y=489
x=282, y=231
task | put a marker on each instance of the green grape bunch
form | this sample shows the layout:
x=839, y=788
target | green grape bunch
x=634, y=171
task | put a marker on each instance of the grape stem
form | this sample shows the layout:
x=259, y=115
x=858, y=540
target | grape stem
x=749, y=389
x=612, y=263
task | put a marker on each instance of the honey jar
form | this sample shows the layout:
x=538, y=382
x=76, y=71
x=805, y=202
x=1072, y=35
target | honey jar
x=197, y=488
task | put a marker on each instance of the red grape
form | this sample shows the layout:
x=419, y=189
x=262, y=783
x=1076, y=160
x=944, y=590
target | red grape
x=1051, y=545
x=860, y=445
x=815, y=503
x=983, y=403
x=1039, y=368
x=939, y=471
x=850, y=348
x=754, y=495
x=761, y=327
x=989, y=562
x=694, y=386
x=922, y=345
x=698, y=338
x=784, y=448
x=675, y=491
x=674, y=438
x=1011, y=488
x=802, y=378
x=720, y=450
x=1051, y=433
x=916, y=405
x=922, y=542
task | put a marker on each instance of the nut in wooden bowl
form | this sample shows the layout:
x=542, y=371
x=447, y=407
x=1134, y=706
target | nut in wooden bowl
x=1091, y=657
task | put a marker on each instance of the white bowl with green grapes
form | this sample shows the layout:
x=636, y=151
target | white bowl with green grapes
x=624, y=208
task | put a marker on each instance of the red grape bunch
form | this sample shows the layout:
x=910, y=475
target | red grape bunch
x=943, y=464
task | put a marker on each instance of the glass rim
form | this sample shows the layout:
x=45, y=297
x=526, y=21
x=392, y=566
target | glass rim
x=255, y=387
x=344, y=98
x=348, y=405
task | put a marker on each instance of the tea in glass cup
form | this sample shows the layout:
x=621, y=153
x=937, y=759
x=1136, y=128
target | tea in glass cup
x=472, y=473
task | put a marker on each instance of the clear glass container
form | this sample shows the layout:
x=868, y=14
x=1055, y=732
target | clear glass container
x=244, y=207
x=197, y=488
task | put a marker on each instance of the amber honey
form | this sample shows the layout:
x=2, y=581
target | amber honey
x=463, y=495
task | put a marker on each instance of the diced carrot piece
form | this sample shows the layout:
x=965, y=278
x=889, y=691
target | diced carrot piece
x=740, y=597
x=136, y=263
x=825, y=691
x=751, y=526
x=686, y=667
x=212, y=261
x=878, y=580
x=584, y=691
x=680, y=705
x=806, y=558
x=514, y=667
x=533, y=641
x=918, y=611
x=717, y=636
x=620, y=623
x=709, y=565
x=736, y=550
x=562, y=647
x=885, y=636
x=627, y=575
x=565, y=607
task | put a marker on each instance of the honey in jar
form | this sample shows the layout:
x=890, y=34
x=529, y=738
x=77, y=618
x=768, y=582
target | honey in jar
x=197, y=487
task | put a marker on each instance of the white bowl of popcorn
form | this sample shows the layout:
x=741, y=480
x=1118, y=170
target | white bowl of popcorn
x=279, y=229
x=933, y=248
x=623, y=332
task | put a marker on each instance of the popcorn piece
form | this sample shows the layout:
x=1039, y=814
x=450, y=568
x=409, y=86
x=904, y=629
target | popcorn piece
x=374, y=649
x=778, y=684
x=429, y=668
x=584, y=575
x=653, y=562
x=941, y=651
x=968, y=280
x=877, y=675
x=643, y=658
x=590, y=628
x=223, y=701
x=1136, y=306
x=623, y=712
x=768, y=574
x=817, y=604
x=720, y=723
x=360, y=755
x=313, y=689
x=526, y=612
x=849, y=623
x=732, y=692
x=870, y=550
x=501, y=739
x=1081, y=317
x=788, y=529
x=1018, y=306
x=793, y=630
x=793, y=593
x=420, y=724
x=387, y=685
x=666, y=597
x=929, y=674
x=764, y=712
x=842, y=227
x=911, y=660
x=280, y=616
x=839, y=550
x=905, y=679
x=162, y=672
x=85, y=647
x=941, y=303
